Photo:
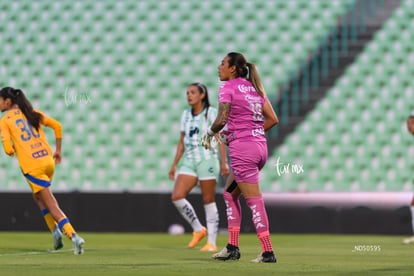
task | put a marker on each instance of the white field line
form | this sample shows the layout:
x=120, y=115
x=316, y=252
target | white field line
x=34, y=252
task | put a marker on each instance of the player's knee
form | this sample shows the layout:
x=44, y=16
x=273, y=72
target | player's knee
x=209, y=199
x=177, y=196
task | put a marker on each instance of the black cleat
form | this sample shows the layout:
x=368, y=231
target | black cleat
x=265, y=257
x=230, y=252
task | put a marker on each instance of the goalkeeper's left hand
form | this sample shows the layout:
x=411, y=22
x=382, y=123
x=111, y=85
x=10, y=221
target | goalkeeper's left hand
x=206, y=139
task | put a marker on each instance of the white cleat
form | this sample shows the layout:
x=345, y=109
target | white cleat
x=78, y=243
x=57, y=239
x=408, y=240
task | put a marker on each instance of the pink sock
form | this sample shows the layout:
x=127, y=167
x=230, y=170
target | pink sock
x=264, y=238
x=234, y=233
x=260, y=221
x=233, y=217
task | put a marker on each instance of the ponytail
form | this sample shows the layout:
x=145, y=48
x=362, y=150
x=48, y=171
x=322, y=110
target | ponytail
x=246, y=70
x=17, y=97
x=254, y=78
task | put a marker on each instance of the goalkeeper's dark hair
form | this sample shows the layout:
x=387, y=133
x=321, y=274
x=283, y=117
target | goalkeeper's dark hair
x=203, y=89
x=17, y=97
x=246, y=70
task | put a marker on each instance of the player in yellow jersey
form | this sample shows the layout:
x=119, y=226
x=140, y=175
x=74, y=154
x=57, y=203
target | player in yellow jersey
x=22, y=135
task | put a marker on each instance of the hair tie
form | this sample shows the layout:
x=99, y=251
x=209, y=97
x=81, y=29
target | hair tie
x=201, y=87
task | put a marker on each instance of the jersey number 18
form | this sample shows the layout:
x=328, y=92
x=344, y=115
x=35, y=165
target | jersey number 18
x=257, y=112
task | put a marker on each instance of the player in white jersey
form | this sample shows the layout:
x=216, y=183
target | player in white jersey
x=410, y=127
x=198, y=165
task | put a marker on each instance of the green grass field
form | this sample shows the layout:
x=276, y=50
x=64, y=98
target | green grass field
x=24, y=253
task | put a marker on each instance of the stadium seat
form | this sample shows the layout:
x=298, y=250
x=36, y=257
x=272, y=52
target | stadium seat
x=134, y=59
x=365, y=149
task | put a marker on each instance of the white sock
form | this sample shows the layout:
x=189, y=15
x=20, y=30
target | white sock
x=187, y=212
x=212, y=219
x=412, y=218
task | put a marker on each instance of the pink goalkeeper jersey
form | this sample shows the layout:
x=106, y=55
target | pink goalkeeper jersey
x=246, y=118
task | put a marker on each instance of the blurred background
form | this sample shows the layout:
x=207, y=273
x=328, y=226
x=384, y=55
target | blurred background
x=339, y=74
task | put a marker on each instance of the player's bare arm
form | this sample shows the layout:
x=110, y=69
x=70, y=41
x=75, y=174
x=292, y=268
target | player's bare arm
x=271, y=118
x=222, y=116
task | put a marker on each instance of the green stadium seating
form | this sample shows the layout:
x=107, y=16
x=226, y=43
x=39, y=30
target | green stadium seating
x=355, y=139
x=133, y=59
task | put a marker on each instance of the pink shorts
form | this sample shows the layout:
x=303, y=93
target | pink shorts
x=247, y=158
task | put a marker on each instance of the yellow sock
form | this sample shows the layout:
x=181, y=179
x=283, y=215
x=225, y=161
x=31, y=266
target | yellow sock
x=50, y=221
x=66, y=228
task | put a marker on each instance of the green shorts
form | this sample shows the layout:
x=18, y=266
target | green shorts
x=203, y=170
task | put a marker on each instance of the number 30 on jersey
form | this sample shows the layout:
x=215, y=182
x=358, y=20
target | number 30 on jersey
x=27, y=130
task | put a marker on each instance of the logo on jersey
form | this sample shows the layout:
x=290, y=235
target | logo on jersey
x=253, y=99
x=258, y=132
x=194, y=131
x=40, y=153
x=246, y=88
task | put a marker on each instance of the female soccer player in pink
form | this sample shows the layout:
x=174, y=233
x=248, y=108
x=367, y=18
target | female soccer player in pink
x=198, y=165
x=410, y=127
x=246, y=110
x=22, y=134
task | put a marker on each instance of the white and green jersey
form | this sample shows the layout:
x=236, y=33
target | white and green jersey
x=193, y=128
